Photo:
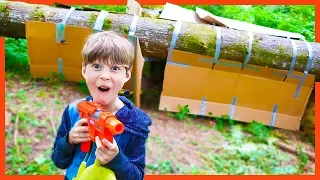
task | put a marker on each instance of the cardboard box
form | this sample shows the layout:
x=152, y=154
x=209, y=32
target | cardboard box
x=243, y=94
x=47, y=56
x=252, y=93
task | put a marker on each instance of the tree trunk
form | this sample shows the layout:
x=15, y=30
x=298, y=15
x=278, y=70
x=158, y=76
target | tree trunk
x=155, y=36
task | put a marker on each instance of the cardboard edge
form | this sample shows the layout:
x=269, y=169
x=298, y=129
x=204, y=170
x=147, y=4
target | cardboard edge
x=171, y=105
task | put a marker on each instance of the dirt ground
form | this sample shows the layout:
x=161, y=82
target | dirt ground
x=191, y=146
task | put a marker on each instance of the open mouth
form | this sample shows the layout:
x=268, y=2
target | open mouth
x=103, y=89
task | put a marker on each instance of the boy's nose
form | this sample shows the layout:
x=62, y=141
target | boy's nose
x=105, y=76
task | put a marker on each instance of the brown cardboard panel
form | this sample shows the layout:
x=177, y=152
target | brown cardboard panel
x=287, y=104
x=71, y=49
x=72, y=74
x=220, y=86
x=191, y=59
x=170, y=103
x=138, y=64
x=42, y=51
x=40, y=29
x=285, y=121
x=71, y=54
x=264, y=72
x=227, y=66
x=77, y=34
x=129, y=84
x=217, y=109
x=308, y=82
x=242, y=114
x=256, y=92
x=246, y=114
x=185, y=82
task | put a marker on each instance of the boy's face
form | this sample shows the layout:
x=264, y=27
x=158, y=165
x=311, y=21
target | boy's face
x=104, y=81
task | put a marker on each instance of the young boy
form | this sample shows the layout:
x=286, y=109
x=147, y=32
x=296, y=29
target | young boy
x=107, y=65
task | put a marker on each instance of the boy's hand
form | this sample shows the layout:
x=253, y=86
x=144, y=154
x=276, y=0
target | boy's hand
x=79, y=133
x=106, y=154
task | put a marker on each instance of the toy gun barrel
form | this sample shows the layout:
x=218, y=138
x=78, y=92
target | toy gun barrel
x=111, y=122
x=115, y=126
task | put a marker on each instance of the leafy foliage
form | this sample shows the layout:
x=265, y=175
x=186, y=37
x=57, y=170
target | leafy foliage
x=292, y=18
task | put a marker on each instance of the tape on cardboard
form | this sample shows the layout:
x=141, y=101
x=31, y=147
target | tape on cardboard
x=133, y=27
x=293, y=62
x=306, y=71
x=100, y=20
x=174, y=38
x=218, y=47
x=60, y=36
x=60, y=26
x=274, y=113
x=244, y=64
x=203, y=106
x=218, y=50
x=232, y=107
x=60, y=66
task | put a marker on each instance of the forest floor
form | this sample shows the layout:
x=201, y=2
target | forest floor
x=195, y=145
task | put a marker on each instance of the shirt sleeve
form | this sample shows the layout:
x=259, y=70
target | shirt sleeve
x=62, y=151
x=130, y=164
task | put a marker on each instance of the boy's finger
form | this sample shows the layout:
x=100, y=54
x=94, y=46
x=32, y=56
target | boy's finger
x=82, y=121
x=83, y=129
x=108, y=144
x=98, y=142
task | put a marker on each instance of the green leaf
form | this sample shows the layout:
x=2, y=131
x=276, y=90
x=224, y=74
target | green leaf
x=40, y=159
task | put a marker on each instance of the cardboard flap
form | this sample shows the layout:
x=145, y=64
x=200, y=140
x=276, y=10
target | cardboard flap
x=47, y=56
x=226, y=88
x=201, y=16
x=174, y=12
x=241, y=25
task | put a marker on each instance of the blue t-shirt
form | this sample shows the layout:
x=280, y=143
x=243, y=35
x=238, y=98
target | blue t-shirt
x=128, y=164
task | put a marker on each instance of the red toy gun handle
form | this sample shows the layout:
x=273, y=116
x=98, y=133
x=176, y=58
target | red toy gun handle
x=85, y=146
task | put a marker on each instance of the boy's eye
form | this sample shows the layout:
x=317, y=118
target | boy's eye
x=115, y=68
x=96, y=66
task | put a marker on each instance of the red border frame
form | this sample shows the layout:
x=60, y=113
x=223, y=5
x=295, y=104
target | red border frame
x=162, y=2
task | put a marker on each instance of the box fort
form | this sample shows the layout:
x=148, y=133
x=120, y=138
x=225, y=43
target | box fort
x=56, y=48
x=245, y=94
x=212, y=86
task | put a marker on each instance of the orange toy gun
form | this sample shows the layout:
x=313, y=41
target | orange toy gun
x=100, y=123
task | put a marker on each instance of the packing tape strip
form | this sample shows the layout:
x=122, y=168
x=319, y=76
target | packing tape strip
x=232, y=107
x=218, y=46
x=175, y=35
x=293, y=62
x=100, y=20
x=244, y=64
x=218, y=50
x=133, y=27
x=274, y=113
x=134, y=39
x=131, y=37
x=294, y=56
x=60, y=26
x=203, y=106
x=60, y=66
x=60, y=36
x=305, y=73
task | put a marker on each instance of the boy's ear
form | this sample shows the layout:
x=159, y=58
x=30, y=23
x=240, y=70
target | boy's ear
x=128, y=76
x=83, y=69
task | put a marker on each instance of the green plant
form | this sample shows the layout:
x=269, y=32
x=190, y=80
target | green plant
x=259, y=131
x=183, y=112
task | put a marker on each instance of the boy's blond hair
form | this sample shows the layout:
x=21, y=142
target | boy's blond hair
x=108, y=47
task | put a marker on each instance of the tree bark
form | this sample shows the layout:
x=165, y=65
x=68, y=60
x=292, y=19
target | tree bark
x=155, y=36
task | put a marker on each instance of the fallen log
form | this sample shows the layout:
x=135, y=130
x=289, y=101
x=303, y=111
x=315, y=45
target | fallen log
x=155, y=36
